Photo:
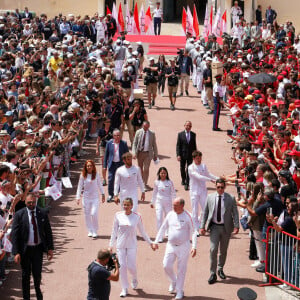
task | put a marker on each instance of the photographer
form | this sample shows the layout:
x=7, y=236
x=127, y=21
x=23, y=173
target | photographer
x=150, y=81
x=99, y=276
x=172, y=74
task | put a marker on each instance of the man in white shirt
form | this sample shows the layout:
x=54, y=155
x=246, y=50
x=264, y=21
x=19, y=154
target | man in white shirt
x=180, y=229
x=127, y=180
x=198, y=174
x=101, y=28
x=158, y=18
x=222, y=217
x=218, y=94
x=236, y=12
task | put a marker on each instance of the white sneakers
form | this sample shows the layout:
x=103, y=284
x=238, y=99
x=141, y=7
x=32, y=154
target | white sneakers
x=134, y=283
x=179, y=295
x=172, y=288
x=123, y=293
x=90, y=234
x=95, y=235
x=256, y=264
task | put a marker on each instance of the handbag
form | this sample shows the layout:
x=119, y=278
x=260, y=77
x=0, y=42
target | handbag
x=244, y=222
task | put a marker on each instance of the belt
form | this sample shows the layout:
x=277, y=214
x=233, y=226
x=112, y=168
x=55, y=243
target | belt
x=213, y=223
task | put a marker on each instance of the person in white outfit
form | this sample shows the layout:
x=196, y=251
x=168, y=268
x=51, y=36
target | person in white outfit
x=101, y=28
x=123, y=234
x=163, y=195
x=90, y=185
x=127, y=180
x=198, y=174
x=180, y=229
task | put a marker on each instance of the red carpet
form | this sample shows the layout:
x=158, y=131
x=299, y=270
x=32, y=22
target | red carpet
x=159, y=44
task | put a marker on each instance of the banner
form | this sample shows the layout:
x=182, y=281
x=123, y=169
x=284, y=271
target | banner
x=142, y=19
x=121, y=18
x=210, y=23
x=108, y=12
x=136, y=18
x=205, y=26
x=115, y=16
x=129, y=22
x=183, y=22
x=148, y=22
x=195, y=22
x=189, y=22
x=224, y=23
x=216, y=30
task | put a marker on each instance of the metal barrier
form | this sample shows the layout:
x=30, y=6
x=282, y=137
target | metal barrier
x=282, y=258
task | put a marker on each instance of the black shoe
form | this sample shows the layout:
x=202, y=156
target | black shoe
x=110, y=199
x=221, y=274
x=187, y=93
x=182, y=183
x=181, y=94
x=217, y=129
x=186, y=187
x=153, y=102
x=260, y=269
x=212, y=279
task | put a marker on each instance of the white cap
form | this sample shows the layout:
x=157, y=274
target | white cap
x=139, y=43
x=151, y=58
x=75, y=105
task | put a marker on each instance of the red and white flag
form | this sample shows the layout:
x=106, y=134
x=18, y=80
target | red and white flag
x=216, y=30
x=121, y=18
x=142, y=19
x=108, y=12
x=129, y=21
x=205, y=26
x=224, y=22
x=183, y=22
x=136, y=19
x=210, y=23
x=195, y=22
x=189, y=22
x=148, y=22
x=115, y=16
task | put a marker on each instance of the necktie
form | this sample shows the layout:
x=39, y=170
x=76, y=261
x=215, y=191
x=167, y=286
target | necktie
x=143, y=142
x=219, y=209
x=188, y=137
x=34, y=227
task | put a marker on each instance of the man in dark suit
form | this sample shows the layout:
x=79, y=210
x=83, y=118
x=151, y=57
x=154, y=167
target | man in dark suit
x=186, y=145
x=185, y=64
x=31, y=236
x=114, y=150
x=222, y=217
x=27, y=15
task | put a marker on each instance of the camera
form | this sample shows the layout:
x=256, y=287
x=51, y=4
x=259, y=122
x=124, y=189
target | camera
x=111, y=264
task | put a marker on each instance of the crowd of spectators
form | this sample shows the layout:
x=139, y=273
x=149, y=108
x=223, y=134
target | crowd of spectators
x=61, y=81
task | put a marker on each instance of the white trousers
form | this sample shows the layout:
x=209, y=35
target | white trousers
x=259, y=245
x=118, y=68
x=181, y=253
x=196, y=201
x=91, y=209
x=127, y=260
x=199, y=81
x=162, y=207
x=203, y=96
x=194, y=75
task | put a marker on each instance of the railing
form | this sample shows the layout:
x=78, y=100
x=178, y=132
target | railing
x=282, y=258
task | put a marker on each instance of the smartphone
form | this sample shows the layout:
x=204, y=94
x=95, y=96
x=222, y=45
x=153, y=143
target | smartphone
x=10, y=217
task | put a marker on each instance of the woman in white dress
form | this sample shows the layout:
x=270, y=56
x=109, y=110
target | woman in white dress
x=90, y=185
x=124, y=233
x=163, y=195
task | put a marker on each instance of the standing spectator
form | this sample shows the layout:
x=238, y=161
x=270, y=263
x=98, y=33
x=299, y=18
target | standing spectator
x=222, y=217
x=99, y=276
x=138, y=114
x=127, y=180
x=144, y=148
x=123, y=235
x=198, y=174
x=31, y=236
x=90, y=185
x=271, y=15
x=185, y=64
x=185, y=146
x=173, y=74
x=100, y=27
x=114, y=150
x=178, y=246
x=258, y=15
x=207, y=92
x=162, y=66
x=163, y=195
x=158, y=18
x=236, y=12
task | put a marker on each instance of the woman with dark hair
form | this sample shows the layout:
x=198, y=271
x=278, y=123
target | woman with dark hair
x=90, y=185
x=162, y=66
x=163, y=195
